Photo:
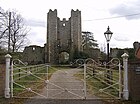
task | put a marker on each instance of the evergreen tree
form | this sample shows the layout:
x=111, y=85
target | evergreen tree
x=88, y=40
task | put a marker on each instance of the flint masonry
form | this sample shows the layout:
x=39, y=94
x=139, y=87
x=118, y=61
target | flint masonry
x=63, y=36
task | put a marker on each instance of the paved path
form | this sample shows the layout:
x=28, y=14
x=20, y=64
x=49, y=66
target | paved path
x=63, y=101
x=64, y=88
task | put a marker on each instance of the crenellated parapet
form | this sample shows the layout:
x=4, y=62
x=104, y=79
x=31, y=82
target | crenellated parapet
x=62, y=35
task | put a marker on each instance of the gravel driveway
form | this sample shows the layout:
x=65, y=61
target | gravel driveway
x=64, y=87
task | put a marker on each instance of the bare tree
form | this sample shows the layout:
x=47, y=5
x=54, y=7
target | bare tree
x=3, y=24
x=18, y=32
x=13, y=32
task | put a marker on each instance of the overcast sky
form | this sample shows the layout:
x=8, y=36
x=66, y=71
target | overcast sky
x=123, y=17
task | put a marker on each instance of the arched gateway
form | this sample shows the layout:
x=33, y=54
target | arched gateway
x=62, y=36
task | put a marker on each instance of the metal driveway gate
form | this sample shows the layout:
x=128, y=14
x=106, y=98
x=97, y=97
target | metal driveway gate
x=88, y=80
x=65, y=83
x=104, y=79
x=27, y=81
x=45, y=81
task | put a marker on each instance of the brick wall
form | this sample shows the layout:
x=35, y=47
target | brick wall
x=134, y=80
x=2, y=79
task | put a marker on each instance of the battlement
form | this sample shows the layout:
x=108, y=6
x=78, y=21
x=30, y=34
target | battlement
x=63, y=35
x=75, y=10
x=55, y=10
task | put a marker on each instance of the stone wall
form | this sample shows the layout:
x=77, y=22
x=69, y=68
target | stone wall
x=64, y=33
x=33, y=54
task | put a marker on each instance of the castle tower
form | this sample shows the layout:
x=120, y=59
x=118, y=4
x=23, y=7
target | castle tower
x=62, y=36
x=51, y=35
x=76, y=29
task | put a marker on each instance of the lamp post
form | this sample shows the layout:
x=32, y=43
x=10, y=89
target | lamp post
x=108, y=35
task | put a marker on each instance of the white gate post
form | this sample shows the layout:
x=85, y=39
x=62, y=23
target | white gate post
x=7, y=76
x=125, y=65
x=11, y=79
x=85, y=89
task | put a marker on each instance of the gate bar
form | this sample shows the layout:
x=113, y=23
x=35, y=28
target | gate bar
x=85, y=89
x=120, y=81
x=11, y=79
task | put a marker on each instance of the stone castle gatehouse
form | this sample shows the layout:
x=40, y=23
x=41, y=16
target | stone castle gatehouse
x=64, y=37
